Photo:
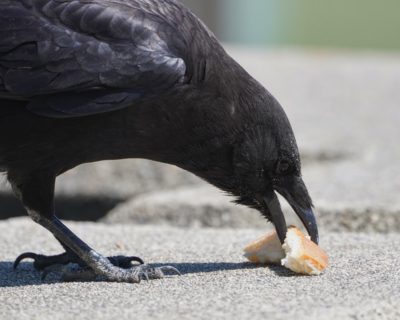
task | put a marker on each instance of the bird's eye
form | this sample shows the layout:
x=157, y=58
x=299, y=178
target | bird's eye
x=283, y=167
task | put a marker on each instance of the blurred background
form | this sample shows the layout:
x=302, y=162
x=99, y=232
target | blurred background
x=335, y=68
x=363, y=24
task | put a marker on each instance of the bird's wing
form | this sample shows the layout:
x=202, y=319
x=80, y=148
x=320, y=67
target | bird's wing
x=80, y=57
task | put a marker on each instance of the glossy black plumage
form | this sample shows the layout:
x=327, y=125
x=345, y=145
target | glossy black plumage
x=124, y=49
x=90, y=80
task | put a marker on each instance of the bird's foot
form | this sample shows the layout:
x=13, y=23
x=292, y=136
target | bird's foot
x=42, y=262
x=134, y=274
x=116, y=268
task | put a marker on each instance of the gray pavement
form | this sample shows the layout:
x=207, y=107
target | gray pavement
x=205, y=206
x=196, y=206
x=362, y=281
x=344, y=108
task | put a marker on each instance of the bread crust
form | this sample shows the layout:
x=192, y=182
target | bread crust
x=298, y=253
x=266, y=249
x=303, y=255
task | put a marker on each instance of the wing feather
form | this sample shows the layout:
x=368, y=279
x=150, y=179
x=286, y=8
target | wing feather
x=55, y=47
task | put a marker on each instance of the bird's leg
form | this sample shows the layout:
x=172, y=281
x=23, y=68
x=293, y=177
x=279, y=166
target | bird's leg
x=118, y=261
x=37, y=196
x=98, y=264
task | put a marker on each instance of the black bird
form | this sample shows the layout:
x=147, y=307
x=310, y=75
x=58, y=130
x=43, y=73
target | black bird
x=89, y=80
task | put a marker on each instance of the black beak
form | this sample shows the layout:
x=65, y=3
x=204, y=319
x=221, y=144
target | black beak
x=277, y=217
x=295, y=192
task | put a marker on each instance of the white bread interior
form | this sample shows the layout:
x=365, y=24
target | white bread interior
x=303, y=255
x=266, y=249
x=298, y=253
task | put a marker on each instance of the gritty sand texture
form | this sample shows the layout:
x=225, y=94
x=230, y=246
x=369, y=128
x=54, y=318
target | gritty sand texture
x=362, y=282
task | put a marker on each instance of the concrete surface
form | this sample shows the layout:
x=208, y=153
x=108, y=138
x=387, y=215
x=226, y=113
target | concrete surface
x=362, y=282
x=197, y=206
x=344, y=108
x=118, y=179
x=122, y=178
x=90, y=191
x=205, y=206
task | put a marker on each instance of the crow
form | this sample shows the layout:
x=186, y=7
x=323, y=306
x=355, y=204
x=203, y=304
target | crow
x=90, y=80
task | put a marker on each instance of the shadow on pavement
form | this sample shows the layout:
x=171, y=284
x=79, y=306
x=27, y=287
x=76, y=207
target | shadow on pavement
x=203, y=267
x=26, y=275
x=284, y=272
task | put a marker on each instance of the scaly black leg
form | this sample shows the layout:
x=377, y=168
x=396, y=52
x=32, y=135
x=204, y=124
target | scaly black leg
x=99, y=264
x=36, y=191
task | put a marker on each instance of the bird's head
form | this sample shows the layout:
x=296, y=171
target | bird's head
x=265, y=161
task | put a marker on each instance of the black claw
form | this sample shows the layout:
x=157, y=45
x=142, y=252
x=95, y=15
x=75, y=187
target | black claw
x=146, y=275
x=137, y=259
x=124, y=262
x=158, y=273
x=26, y=255
x=170, y=268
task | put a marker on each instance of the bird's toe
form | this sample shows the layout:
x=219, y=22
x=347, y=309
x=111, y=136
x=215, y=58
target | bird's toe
x=41, y=262
x=124, y=262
